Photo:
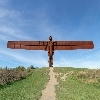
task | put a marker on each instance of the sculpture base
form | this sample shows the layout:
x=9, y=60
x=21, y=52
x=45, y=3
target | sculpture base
x=50, y=66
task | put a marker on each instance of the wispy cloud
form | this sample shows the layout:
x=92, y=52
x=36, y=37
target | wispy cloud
x=7, y=61
x=5, y=13
x=3, y=2
x=9, y=28
x=4, y=38
x=11, y=32
x=89, y=59
x=80, y=64
x=23, y=58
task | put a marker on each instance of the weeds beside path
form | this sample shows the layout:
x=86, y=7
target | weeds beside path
x=74, y=89
x=26, y=89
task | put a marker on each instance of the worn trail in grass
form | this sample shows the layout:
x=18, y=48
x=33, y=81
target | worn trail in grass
x=49, y=92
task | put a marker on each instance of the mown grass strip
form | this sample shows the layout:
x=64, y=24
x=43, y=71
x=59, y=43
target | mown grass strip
x=26, y=89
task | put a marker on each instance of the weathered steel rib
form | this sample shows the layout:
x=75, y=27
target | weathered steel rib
x=50, y=46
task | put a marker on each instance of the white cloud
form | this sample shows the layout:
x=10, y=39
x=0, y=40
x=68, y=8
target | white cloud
x=3, y=1
x=88, y=61
x=23, y=58
x=8, y=29
x=5, y=13
x=11, y=32
x=88, y=64
x=80, y=64
x=8, y=61
x=3, y=37
x=14, y=55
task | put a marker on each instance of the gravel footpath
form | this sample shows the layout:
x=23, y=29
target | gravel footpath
x=49, y=92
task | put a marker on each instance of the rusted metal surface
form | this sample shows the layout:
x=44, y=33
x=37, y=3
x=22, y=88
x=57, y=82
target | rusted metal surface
x=50, y=46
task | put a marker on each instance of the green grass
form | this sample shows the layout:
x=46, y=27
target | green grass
x=73, y=89
x=26, y=89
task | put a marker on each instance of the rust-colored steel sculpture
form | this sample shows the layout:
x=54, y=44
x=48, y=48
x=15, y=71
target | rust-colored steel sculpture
x=50, y=46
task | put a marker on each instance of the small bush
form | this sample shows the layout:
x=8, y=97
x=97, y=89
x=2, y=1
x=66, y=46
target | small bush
x=8, y=76
x=91, y=75
x=98, y=79
x=82, y=74
x=22, y=68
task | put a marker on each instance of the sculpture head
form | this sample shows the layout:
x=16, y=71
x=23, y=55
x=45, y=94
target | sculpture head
x=50, y=38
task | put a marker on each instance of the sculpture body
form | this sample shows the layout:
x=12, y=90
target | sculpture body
x=50, y=46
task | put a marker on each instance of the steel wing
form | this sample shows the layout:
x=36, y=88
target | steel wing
x=28, y=45
x=72, y=45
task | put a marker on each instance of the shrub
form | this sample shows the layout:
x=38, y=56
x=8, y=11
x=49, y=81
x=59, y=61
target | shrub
x=22, y=68
x=82, y=74
x=32, y=67
x=8, y=76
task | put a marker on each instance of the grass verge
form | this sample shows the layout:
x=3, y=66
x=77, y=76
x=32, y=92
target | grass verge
x=26, y=89
x=74, y=89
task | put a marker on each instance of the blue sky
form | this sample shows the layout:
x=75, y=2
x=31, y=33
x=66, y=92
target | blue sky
x=64, y=20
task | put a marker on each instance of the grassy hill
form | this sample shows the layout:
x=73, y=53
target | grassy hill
x=81, y=84
x=26, y=89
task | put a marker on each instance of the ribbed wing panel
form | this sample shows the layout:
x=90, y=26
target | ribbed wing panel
x=28, y=45
x=72, y=45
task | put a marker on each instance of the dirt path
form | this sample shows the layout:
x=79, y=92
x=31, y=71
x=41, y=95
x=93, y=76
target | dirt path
x=49, y=92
